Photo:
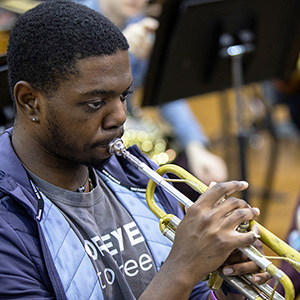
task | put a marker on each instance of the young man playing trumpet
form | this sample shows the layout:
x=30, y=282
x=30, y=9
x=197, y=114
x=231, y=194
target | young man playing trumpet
x=73, y=219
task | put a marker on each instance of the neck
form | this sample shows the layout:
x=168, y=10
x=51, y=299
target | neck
x=87, y=186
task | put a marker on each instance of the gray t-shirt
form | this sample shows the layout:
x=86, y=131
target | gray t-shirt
x=111, y=238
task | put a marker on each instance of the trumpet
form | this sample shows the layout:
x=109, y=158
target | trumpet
x=168, y=224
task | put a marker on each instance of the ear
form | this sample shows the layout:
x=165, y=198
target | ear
x=27, y=100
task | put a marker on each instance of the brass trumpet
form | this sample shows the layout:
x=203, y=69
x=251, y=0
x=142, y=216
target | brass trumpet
x=168, y=224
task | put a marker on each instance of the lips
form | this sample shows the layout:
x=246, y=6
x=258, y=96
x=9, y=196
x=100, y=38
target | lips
x=105, y=143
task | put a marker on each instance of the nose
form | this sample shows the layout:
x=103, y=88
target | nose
x=116, y=114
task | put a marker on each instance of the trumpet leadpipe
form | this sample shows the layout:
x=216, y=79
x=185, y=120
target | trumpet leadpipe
x=117, y=147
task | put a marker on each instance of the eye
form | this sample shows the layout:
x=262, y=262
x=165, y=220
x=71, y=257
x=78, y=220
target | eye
x=125, y=95
x=96, y=104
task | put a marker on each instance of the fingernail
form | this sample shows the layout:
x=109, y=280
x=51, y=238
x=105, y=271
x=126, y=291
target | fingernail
x=256, y=279
x=257, y=236
x=244, y=182
x=256, y=210
x=212, y=183
x=227, y=271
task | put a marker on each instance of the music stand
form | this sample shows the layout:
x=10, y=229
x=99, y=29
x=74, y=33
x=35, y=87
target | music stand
x=186, y=59
x=209, y=45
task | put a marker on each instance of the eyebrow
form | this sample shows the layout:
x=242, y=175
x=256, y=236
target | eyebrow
x=104, y=92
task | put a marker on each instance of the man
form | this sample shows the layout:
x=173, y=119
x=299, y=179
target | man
x=71, y=226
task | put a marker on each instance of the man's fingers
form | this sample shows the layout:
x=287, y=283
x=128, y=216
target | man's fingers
x=241, y=268
x=258, y=277
x=240, y=214
x=217, y=192
x=261, y=278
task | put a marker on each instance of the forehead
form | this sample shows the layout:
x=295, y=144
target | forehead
x=108, y=72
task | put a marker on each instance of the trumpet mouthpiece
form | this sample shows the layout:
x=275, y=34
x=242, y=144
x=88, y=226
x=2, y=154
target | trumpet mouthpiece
x=116, y=147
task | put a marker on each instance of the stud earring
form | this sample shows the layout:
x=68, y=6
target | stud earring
x=33, y=119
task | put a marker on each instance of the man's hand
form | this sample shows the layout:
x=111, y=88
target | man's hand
x=206, y=236
x=204, y=239
x=238, y=264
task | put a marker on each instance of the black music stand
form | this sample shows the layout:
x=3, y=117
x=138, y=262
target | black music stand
x=209, y=45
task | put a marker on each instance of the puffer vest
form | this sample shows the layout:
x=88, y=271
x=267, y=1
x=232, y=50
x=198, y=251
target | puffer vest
x=60, y=237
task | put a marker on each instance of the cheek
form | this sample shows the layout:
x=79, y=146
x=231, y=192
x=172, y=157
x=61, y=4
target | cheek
x=67, y=132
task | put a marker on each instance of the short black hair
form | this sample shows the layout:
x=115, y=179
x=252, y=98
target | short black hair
x=47, y=41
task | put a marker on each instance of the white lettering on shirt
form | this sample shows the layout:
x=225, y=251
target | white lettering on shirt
x=131, y=268
x=90, y=249
x=145, y=262
x=109, y=244
x=133, y=233
x=113, y=243
x=118, y=235
x=96, y=239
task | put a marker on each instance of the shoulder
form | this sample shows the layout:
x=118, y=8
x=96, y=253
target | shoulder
x=16, y=222
x=20, y=248
x=21, y=257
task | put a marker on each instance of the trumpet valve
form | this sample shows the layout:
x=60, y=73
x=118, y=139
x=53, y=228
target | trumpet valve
x=215, y=281
x=243, y=227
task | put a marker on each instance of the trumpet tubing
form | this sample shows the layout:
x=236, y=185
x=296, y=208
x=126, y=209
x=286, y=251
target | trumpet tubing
x=168, y=224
